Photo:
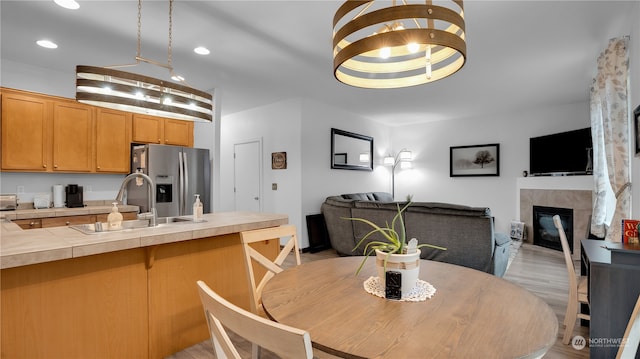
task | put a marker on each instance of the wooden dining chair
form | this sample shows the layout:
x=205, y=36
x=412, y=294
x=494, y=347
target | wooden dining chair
x=578, y=287
x=631, y=337
x=272, y=267
x=283, y=340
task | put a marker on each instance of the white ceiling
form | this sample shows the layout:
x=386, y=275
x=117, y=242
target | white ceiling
x=520, y=54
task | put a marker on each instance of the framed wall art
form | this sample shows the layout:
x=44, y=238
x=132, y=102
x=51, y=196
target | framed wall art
x=636, y=123
x=476, y=160
x=279, y=160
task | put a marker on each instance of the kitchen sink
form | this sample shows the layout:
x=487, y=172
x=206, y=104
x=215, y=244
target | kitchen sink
x=132, y=224
x=167, y=220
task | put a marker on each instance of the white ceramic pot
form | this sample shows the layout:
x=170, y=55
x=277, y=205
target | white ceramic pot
x=407, y=264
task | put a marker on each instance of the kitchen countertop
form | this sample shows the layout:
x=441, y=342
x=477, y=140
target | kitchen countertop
x=20, y=247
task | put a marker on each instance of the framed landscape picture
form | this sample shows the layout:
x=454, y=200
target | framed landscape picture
x=476, y=160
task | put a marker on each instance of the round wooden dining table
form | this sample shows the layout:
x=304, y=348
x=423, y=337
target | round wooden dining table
x=471, y=315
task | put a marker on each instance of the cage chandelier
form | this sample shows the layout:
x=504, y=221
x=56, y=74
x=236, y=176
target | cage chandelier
x=116, y=89
x=382, y=44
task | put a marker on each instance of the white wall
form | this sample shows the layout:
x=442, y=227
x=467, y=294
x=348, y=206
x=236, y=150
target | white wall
x=302, y=128
x=429, y=180
x=319, y=181
x=278, y=125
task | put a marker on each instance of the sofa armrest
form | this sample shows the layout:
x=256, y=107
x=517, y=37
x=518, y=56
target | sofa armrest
x=501, y=238
x=501, y=254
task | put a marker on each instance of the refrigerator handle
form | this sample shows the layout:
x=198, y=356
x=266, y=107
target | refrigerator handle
x=181, y=194
x=186, y=183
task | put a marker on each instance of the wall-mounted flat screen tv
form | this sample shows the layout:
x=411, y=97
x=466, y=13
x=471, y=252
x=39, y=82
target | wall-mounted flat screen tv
x=561, y=154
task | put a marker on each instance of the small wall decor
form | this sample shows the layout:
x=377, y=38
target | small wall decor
x=279, y=160
x=476, y=160
x=636, y=123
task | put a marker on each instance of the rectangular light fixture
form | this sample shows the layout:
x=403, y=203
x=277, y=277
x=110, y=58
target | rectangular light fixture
x=126, y=91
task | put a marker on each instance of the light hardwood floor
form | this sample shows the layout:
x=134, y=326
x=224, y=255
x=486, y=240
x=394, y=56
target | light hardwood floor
x=537, y=269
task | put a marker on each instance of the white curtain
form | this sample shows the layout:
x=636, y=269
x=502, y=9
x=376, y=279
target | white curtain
x=610, y=118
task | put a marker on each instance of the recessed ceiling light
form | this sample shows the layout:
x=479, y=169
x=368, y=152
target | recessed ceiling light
x=68, y=4
x=47, y=44
x=201, y=50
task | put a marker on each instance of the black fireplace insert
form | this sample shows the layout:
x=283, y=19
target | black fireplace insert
x=545, y=233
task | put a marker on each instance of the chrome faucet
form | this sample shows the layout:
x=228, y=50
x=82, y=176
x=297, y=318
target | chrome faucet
x=151, y=196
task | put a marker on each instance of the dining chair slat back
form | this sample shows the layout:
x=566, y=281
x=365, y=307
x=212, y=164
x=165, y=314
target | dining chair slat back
x=283, y=340
x=578, y=287
x=251, y=255
x=631, y=337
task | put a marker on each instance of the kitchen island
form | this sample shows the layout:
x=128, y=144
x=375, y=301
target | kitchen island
x=125, y=294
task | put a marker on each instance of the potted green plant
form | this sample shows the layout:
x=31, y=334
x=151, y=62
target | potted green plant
x=394, y=248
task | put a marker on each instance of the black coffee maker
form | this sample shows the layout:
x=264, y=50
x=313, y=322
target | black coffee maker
x=74, y=196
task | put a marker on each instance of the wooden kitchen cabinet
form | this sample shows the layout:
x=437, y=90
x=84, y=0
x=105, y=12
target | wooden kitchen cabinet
x=113, y=141
x=26, y=132
x=48, y=222
x=68, y=220
x=45, y=134
x=42, y=133
x=28, y=223
x=151, y=129
x=72, y=137
x=178, y=132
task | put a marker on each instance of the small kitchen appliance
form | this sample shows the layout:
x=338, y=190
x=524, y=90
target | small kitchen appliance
x=8, y=202
x=74, y=196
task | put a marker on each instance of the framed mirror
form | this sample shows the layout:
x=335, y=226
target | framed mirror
x=351, y=151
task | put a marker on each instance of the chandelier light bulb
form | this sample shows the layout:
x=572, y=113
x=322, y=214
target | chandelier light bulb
x=428, y=62
x=413, y=47
x=385, y=52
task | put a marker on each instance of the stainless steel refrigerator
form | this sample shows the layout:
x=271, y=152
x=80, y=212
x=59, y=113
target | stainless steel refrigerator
x=179, y=173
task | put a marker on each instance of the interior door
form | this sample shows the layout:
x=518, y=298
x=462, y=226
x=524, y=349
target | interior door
x=248, y=175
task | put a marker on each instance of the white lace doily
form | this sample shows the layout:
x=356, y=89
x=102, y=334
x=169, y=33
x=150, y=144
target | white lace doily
x=421, y=292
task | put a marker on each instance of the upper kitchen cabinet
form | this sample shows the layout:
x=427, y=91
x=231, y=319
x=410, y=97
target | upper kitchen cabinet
x=72, y=137
x=150, y=129
x=113, y=141
x=45, y=134
x=26, y=132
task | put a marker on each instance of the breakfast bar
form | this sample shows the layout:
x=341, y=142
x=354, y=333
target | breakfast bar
x=124, y=294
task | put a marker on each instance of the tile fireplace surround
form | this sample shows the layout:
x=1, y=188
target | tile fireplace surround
x=562, y=192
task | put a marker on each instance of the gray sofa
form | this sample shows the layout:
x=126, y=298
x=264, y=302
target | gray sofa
x=467, y=232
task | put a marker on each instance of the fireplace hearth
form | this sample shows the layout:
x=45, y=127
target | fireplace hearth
x=545, y=233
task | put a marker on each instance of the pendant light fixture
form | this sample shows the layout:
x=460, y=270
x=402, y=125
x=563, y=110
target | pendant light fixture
x=382, y=44
x=116, y=89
